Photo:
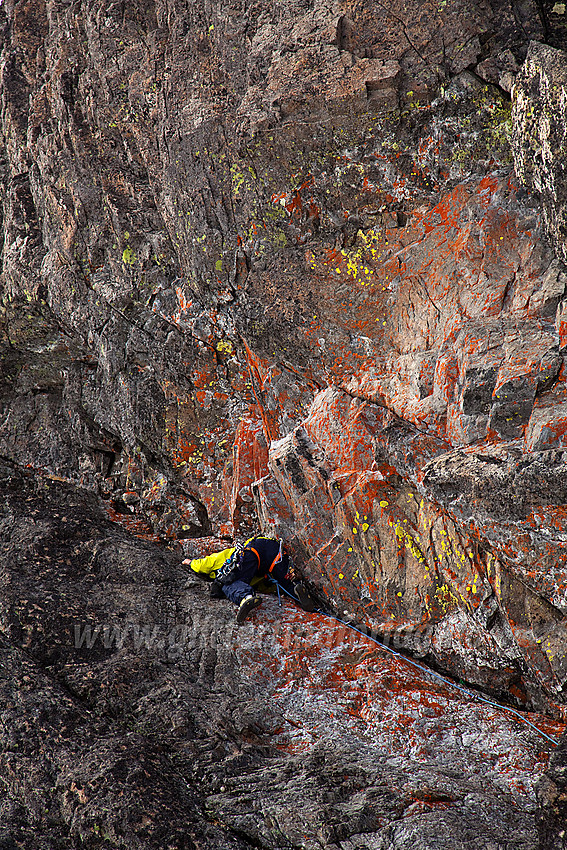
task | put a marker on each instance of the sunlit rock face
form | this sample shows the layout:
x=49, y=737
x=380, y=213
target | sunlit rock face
x=302, y=267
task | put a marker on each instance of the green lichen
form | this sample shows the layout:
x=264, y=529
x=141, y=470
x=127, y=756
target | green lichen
x=128, y=256
x=278, y=240
x=484, y=131
x=243, y=178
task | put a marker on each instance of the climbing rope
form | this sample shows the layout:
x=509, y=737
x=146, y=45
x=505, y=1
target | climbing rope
x=425, y=669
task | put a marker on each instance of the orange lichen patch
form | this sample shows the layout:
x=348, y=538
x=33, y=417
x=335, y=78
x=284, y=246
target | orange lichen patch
x=293, y=202
x=446, y=213
x=524, y=361
x=549, y=516
x=561, y=323
x=184, y=451
x=134, y=524
x=434, y=275
x=349, y=431
x=258, y=372
x=250, y=462
x=337, y=423
x=547, y=428
x=182, y=311
x=371, y=489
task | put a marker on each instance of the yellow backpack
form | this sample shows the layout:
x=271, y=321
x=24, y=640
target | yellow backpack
x=211, y=563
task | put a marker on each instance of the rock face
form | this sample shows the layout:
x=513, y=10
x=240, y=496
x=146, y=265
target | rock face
x=551, y=794
x=135, y=713
x=300, y=266
x=539, y=139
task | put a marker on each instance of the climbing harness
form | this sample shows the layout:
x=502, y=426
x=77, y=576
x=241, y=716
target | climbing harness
x=233, y=562
x=426, y=670
x=276, y=560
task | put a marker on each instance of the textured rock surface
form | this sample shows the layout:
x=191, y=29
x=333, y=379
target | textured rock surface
x=303, y=265
x=397, y=562
x=135, y=713
x=540, y=122
x=551, y=794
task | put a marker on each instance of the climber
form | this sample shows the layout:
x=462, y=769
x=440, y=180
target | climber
x=235, y=570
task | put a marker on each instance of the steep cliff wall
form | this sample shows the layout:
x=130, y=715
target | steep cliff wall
x=302, y=265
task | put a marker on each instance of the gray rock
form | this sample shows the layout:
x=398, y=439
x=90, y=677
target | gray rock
x=136, y=712
x=538, y=139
